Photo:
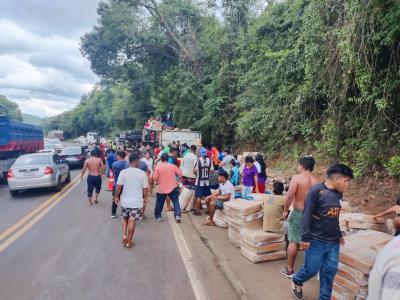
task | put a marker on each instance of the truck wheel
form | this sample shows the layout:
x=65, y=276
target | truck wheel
x=57, y=188
x=14, y=193
x=68, y=179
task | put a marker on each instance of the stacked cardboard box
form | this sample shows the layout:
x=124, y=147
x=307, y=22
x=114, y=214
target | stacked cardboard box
x=356, y=260
x=242, y=214
x=359, y=221
x=259, y=246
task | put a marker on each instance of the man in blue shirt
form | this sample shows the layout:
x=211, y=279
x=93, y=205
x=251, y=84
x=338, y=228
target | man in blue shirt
x=117, y=167
x=110, y=160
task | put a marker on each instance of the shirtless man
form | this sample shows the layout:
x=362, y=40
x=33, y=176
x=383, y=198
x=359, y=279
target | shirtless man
x=95, y=167
x=298, y=189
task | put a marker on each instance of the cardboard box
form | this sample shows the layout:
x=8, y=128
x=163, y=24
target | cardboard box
x=264, y=248
x=352, y=274
x=242, y=207
x=257, y=258
x=260, y=237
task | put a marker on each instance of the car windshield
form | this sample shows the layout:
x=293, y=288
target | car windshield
x=71, y=151
x=28, y=160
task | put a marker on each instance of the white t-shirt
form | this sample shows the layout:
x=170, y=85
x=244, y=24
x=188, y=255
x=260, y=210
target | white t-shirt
x=187, y=165
x=149, y=163
x=134, y=181
x=227, y=163
x=227, y=188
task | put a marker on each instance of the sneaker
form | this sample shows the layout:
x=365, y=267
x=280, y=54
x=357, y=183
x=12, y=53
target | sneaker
x=158, y=219
x=178, y=219
x=285, y=272
x=113, y=216
x=297, y=291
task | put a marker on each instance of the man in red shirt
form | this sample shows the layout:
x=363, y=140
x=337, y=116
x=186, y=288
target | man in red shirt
x=167, y=175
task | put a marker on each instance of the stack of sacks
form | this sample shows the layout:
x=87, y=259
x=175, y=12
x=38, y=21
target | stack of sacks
x=220, y=218
x=242, y=214
x=359, y=221
x=259, y=246
x=186, y=199
x=356, y=260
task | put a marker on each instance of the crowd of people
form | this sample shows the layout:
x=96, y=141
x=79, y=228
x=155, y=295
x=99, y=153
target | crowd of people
x=311, y=208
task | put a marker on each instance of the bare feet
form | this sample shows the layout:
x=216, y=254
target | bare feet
x=129, y=244
x=124, y=240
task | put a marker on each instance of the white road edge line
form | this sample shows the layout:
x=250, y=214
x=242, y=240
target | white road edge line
x=190, y=265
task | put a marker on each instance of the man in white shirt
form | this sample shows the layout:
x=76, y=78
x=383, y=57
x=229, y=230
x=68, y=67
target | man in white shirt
x=187, y=166
x=226, y=192
x=384, y=280
x=133, y=184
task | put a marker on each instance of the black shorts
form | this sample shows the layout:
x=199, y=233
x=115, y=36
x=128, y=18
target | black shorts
x=202, y=191
x=93, y=182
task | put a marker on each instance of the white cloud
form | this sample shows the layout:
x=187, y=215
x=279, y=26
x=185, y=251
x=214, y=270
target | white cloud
x=44, y=74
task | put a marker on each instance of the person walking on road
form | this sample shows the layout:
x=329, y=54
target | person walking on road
x=298, y=189
x=187, y=167
x=117, y=167
x=321, y=236
x=167, y=175
x=131, y=193
x=94, y=165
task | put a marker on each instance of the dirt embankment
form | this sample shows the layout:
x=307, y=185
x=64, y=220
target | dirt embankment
x=368, y=195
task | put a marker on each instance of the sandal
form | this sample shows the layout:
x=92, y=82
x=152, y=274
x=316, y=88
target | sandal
x=169, y=209
x=209, y=222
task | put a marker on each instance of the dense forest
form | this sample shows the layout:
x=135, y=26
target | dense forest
x=278, y=75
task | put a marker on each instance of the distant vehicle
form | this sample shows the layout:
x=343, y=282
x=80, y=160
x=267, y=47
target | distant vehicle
x=92, y=137
x=52, y=145
x=17, y=138
x=131, y=138
x=56, y=134
x=183, y=136
x=74, y=156
x=37, y=170
x=80, y=140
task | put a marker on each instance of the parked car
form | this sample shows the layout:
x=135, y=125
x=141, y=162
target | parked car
x=37, y=170
x=74, y=156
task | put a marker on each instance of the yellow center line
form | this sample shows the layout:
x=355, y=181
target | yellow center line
x=36, y=219
x=25, y=219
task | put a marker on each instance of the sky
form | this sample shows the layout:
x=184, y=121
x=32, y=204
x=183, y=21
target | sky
x=41, y=67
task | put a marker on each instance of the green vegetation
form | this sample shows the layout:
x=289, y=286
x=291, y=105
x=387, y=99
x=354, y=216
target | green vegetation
x=321, y=75
x=34, y=120
x=10, y=109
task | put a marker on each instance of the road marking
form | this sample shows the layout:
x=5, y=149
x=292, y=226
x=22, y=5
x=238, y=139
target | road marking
x=37, y=218
x=25, y=219
x=188, y=261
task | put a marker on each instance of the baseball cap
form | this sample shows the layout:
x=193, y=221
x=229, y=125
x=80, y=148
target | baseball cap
x=203, y=152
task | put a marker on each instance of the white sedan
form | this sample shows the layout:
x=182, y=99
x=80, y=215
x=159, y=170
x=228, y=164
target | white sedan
x=37, y=170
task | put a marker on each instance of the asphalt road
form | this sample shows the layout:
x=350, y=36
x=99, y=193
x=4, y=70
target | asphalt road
x=74, y=252
x=54, y=246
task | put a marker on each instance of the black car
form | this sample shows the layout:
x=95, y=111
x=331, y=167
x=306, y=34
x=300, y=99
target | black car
x=74, y=156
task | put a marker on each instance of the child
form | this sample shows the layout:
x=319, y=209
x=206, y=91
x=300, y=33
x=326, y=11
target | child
x=235, y=173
